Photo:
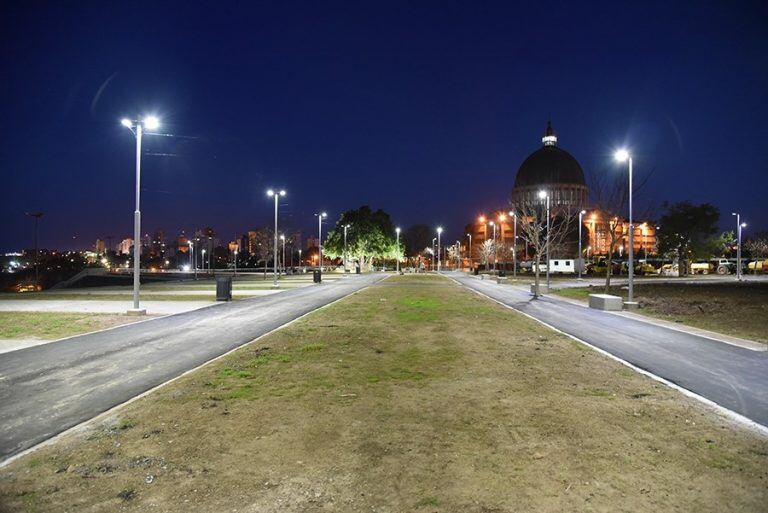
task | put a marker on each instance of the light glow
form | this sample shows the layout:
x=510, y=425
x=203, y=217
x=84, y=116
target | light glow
x=621, y=155
x=126, y=123
x=151, y=122
x=542, y=194
x=439, y=229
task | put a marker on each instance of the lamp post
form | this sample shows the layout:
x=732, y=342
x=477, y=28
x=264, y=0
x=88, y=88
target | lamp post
x=624, y=156
x=275, y=194
x=514, y=243
x=494, y=244
x=37, y=216
x=397, y=239
x=137, y=127
x=203, y=264
x=470, y=250
x=439, y=232
x=299, y=258
x=581, y=265
x=346, y=226
x=320, y=217
x=433, y=252
x=502, y=218
x=739, y=226
x=235, y=271
x=282, y=239
x=545, y=195
x=192, y=257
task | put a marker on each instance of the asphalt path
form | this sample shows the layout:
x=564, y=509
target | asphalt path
x=733, y=377
x=47, y=389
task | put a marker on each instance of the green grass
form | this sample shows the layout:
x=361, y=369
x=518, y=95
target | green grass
x=53, y=325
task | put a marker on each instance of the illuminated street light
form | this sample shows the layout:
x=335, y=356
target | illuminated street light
x=439, y=232
x=514, y=244
x=581, y=264
x=739, y=226
x=623, y=155
x=470, y=250
x=434, y=239
x=494, y=244
x=235, y=269
x=137, y=127
x=320, y=217
x=275, y=194
x=282, y=238
x=346, y=226
x=203, y=264
x=397, y=234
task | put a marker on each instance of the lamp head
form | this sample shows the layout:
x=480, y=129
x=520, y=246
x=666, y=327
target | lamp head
x=492, y=223
x=622, y=155
x=542, y=194
x=439, y=229
x=743, y=225
x=481, y=219
x=151, y=122
x=502, y=217
x=583, y=212
x=282, y=237
x=397, y=230
x=126, y=123
x=323, y=215
x=270, y=193
x=282, y=192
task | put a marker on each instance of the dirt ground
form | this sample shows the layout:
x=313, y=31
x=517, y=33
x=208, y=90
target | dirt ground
x=736, y=309
x=412, y=395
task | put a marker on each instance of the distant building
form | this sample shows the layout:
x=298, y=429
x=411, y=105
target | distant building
x=124, y=248
x=556, y=171
x=99, y=247
x=312, y=242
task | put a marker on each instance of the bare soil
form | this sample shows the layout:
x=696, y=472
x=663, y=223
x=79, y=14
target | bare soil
x=412, y=395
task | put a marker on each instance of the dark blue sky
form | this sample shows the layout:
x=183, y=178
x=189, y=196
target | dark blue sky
x=423, y=109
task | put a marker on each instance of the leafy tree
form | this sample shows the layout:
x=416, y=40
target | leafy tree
x=757, y=246
x=686, y=231
x=370, y=235
x=487, y=249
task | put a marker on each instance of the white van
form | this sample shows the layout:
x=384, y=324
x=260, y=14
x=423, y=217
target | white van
x=562, y=266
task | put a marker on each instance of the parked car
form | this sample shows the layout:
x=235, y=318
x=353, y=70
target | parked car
x=644, y=268
x=669, y=270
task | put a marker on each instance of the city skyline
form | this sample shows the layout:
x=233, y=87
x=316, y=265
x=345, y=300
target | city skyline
x=428, y=117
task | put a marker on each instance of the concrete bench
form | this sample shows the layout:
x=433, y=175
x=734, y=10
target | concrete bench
x=501, y=279
x=605, y=302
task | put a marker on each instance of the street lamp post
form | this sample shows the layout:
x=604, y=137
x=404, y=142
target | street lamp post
x=581, y=265
x=494, y=244
x=235, y=270
x=151, y=123
x=203, y=262
x=397, y=234
x=320, y=217
x=739, y=226
x=37, y=216
x=434, y=239
x=439, y=232
x=275, y=194
x=299, y=258
x=282, y=239
x=622, y=156
x=514, y=244
x=545, y=195
x=470, y=250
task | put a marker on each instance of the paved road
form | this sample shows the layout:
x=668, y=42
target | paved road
x=730, y=376
x=46, y=389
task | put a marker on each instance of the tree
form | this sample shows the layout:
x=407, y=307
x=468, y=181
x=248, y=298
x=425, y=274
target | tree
x=370, y=235
x=686, y=232
x=532, y=216
x=757, y=246
x=264, y=246
x=487, y=248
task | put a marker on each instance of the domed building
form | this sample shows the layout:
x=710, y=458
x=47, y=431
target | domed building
x=552, y=169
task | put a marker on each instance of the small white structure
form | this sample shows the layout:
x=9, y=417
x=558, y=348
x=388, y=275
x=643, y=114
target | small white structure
x=562, y=266
x=605, y=302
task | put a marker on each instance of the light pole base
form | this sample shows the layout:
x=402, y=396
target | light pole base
x=136, y=311
x=631, y=305
x=275, y=285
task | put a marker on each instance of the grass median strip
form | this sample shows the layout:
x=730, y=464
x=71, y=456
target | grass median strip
x=412, y=395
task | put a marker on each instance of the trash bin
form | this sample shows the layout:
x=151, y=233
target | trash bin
x=223, y=288
x=317, y=276
x=476, y=271
x=502, y=273
x=357, y=269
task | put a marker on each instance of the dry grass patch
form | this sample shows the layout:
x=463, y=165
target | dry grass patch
x=413, y=395
x=53, y=325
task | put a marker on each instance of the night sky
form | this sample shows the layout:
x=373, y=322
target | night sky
x=423, y=109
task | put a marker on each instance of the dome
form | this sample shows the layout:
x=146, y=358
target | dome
x=549, y=165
